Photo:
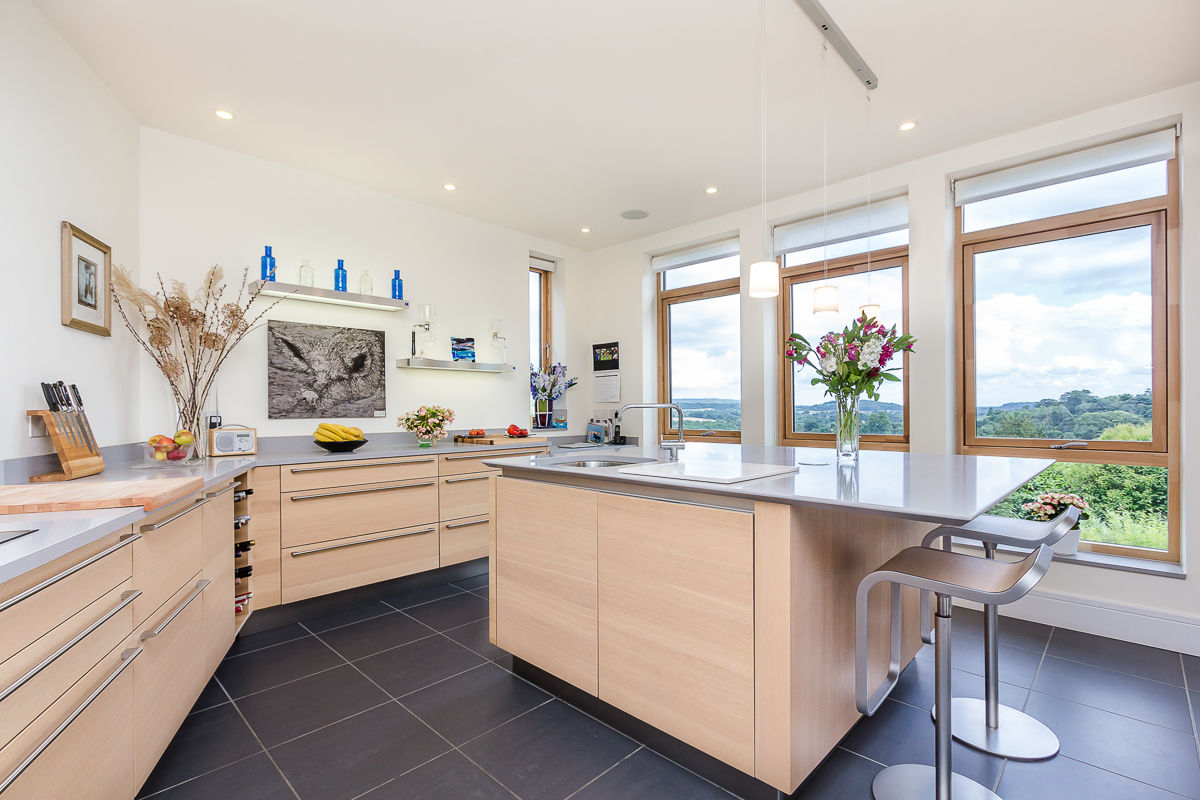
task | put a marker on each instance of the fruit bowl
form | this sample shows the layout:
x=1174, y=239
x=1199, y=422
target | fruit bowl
x=163, y=457
x=340, y=447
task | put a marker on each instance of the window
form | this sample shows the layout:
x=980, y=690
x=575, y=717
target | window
x=540, y=349
x=1067, y=344
x=699, y=313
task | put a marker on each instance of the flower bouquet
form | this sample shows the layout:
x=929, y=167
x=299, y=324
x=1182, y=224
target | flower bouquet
x=849, y=364
x=1048, y=505
x=429, y=423
x=546, y=386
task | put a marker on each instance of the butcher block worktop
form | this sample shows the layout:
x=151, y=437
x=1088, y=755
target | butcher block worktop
x=83, y=496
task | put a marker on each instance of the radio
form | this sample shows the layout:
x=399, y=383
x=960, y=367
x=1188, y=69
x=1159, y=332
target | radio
x=232, y=441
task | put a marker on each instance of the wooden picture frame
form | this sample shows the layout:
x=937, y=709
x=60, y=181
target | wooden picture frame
x=86, y=282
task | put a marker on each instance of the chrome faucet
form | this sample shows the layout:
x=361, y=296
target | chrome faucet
x=671, y=447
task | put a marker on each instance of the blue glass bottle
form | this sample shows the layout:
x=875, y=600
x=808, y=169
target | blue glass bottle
x=268, y=265
x=339, y=277
x=397, y=286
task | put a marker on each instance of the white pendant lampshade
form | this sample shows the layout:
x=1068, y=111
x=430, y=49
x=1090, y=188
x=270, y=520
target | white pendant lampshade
x=764, y=279
x=825, y=298
x=870, y=310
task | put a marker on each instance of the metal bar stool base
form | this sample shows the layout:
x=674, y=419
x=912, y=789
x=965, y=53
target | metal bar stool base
x=1017, y=736
x=918, y=782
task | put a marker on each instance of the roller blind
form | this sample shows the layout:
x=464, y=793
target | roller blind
x=1146, y=149
x=686, y=257
x=883, y=216
x=541, y=263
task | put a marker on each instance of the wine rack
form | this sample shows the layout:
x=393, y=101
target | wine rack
x=243, y=552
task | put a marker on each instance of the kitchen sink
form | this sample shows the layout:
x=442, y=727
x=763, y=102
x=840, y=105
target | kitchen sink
x=600, y=463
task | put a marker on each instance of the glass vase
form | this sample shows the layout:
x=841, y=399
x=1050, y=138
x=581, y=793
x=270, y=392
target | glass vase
x=425, y=441
x=848, y=424
x=545, y=412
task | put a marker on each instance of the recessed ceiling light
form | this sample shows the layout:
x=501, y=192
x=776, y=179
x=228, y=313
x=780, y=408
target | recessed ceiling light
x=223, y=114
x=635, y=213
x=711, y=190
x=585, y=230
x=907, y=126
x=449, y=187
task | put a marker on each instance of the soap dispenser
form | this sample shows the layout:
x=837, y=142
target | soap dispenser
x=339, y=277
x=268, y=265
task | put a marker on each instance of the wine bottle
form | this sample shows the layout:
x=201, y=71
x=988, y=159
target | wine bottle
x=243, y=572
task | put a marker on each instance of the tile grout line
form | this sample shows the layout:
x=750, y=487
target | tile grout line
x=1191, y=710
x=616, y=764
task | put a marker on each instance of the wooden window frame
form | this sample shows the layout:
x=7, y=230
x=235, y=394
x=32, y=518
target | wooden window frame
x=813, y=272
x=1162, y=214
x=666, y=299
x=546, y=345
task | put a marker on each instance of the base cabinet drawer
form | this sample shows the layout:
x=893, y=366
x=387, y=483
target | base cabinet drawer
x=325, y=567
x=462, y=463
x=323, y=515
x=465, y=495
x=464, y=540
x=298, y=477
x=168, y=553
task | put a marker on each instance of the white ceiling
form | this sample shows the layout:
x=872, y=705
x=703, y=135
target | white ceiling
x=550, y=115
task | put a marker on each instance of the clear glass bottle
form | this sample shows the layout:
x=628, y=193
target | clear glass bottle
x=306, y=274
x=365, y=284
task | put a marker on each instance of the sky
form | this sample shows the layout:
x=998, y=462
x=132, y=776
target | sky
x=706, y=348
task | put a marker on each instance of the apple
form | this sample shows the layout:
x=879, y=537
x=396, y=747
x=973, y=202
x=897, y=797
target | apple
x=177, y=455
x=184, y=437
x=165, y=443
x=160, y=455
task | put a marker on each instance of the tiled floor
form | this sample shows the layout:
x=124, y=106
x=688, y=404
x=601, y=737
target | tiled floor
x=405, y=698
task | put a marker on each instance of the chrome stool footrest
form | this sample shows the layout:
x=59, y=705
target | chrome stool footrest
x=918, y=782
x=1017, y=736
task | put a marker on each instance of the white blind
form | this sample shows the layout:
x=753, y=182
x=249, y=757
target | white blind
x=883, y=216
x=694, y=255
x=1146, y=149
x=535, y=262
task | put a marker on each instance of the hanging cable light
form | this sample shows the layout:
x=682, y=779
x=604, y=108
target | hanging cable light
x=869, y=309
x=825, y=297
x=764, y=275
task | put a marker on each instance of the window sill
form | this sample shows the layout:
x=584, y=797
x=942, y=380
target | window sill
x=1141, y=566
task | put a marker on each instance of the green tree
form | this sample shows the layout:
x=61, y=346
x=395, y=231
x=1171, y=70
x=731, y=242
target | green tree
x=1128, y=432
x=878, y=422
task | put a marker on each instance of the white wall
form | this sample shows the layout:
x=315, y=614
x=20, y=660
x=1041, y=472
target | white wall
x=68, y=151
x=621, y=271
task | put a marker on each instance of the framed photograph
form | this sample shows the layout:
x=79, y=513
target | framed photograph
x=462, y=349
x=86, y=277
x=323, y=371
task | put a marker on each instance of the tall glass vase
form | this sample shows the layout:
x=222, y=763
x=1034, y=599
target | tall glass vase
x=848, y=425
x=193, y=423
x=545, y=412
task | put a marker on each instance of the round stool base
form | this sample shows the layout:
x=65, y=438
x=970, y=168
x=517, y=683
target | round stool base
x=1018, y=736
x=918, y=782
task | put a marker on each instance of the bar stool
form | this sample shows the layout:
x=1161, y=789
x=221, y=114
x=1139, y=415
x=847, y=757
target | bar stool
x=947, y=575
x=986, y=724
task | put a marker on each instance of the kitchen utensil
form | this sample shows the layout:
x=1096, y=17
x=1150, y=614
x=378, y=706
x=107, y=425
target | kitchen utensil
x=64, y=405
x=149, y=494
x=52, y=404
x=91, y=437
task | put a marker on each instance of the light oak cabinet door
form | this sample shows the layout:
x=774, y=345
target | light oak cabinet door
x=545, y=551
x=325, y=567
x=302, y=477
x=321, y=515
x=168, y=553
x=464, y=540
x=217, y=517
x=462, y=463
x=462, y=496
x=676, y=621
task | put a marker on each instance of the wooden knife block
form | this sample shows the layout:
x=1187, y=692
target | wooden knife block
x=77, y=462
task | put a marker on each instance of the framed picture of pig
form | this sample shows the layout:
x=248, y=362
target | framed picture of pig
x=323, y=371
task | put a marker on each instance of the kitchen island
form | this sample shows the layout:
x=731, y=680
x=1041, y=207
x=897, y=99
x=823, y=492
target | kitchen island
x=719, y=611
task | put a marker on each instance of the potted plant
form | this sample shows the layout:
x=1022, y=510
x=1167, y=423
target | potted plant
x=1048, y=505
x=546, y=386
x=849, y=364
x=429, y=423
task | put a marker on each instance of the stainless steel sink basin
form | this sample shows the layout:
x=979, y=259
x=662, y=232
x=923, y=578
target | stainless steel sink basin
x=601, y=462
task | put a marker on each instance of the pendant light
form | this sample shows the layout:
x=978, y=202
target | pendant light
x=869, y=309
x=764, y=275
x=825, y=297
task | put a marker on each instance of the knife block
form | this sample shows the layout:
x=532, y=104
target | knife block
x=77, y=462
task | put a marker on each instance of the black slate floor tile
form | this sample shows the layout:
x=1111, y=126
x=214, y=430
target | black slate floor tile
x=413, y=597
x=371, y=636
x=482, y=591
x=409, y=667
x=273, y=666
x=296, y=708
x=213, y=695
x=206, y=740
x=467, y=705
x=1191, y=668
x=646, y=775
x=1194, y=697
x=355, y=755
x=346, y=616
x=474, y=582
x=1014, y=632
x=843, y=776
x=451, y=776
x=549, y=752
x=1045, y=780
x=1128, y=695
x=1136, y=659
x=475, y=636
x=1018, y=666
x=915, y=686
x=267, y=638
x=451, y=612
x=1158, y=756
x=254, y=778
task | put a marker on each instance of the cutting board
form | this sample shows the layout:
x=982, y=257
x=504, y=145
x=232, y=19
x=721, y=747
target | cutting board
x=499, y=438
x=80, y=496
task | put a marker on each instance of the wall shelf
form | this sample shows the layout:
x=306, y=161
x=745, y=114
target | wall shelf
x=313, y=294
x=455, y=366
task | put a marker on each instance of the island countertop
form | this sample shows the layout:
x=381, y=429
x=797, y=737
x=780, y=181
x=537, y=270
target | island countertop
x=944, y=489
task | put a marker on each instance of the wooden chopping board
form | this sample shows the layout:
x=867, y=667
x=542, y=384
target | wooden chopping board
x=80, y=496
x=499, y=438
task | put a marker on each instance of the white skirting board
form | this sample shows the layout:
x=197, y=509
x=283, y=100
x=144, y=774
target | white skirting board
x=1146, y=626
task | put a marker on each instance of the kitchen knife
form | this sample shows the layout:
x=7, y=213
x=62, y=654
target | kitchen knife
x=52, y=404
x=87, y=426
x=64, y=403
x=73, y=415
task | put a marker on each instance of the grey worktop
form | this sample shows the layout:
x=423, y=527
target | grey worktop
x=943, y=489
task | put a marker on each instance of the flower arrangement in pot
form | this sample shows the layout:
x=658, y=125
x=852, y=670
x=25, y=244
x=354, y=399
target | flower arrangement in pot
x=1048, y=505
x=851, y=363
x=429, y=423
x=546, y=386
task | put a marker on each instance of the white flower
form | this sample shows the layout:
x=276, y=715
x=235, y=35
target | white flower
x=829, y=363
x=871, y=352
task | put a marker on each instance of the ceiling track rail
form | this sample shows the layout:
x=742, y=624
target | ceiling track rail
x=820, y=17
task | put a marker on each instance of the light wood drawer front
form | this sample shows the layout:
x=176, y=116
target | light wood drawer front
x=167, y=555
x=37, y=676
x=34, y=607
x=84, y=749
x=317, y=569
x=299, y=477
x=462, y=463
x=168, y=676
x=464, y=540
x=323, y=515
x=465, y=495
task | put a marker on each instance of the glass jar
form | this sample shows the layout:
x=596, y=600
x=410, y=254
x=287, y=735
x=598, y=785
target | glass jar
x=365, y=284
x=306, y=273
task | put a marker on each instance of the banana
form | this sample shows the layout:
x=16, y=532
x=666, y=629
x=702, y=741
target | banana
x=358, y=434
x=324, y=436
x=336, y=431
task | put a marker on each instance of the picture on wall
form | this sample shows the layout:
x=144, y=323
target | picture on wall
x=462, y=349
x=322, y=371
x=86, y=277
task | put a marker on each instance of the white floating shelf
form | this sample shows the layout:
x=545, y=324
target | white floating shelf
x=455, y=366
x=293, y=291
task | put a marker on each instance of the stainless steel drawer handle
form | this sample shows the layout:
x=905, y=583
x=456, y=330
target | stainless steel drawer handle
x=328, y=467
x=362, y=491
x=46, y=584
x=165, y=522
x=228, y=488
x=298, y=553
x=127, y=658
x=126, y=599
x=162, y=626
x=467, y=524
x=472, y=478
